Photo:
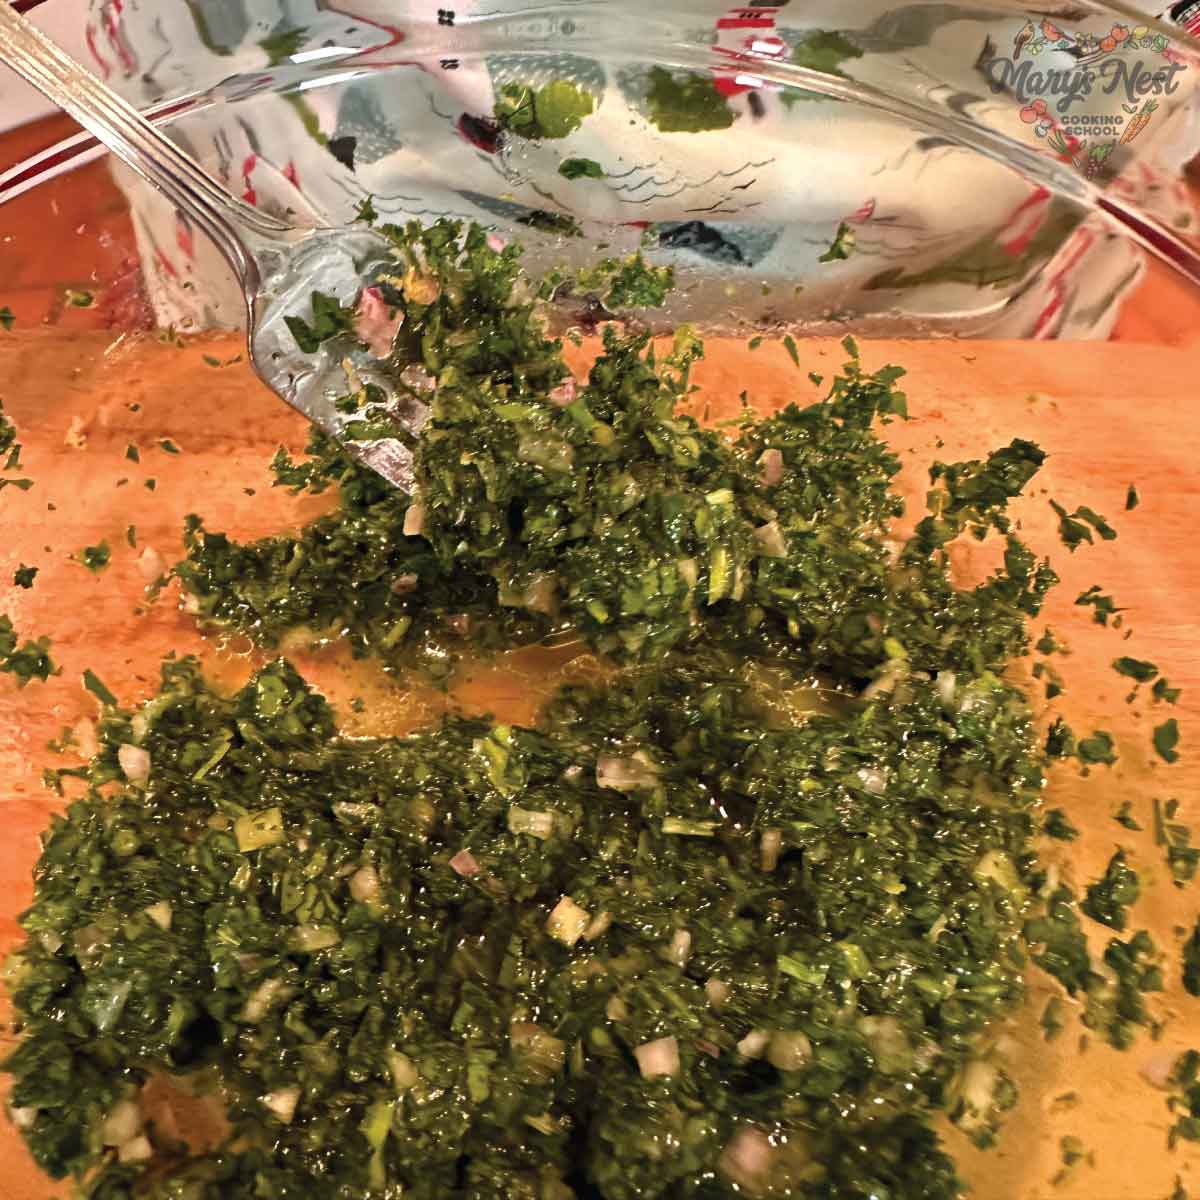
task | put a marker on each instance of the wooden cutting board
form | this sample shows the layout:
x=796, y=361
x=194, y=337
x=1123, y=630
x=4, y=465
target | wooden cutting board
x=1108, y=414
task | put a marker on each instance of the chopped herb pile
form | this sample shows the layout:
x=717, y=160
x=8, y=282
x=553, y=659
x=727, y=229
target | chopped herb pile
x=670, y=940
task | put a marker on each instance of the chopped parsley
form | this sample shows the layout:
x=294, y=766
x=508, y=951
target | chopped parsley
x=1166, y=738
x=553, y=111
x=842, y=245
x=1058, y=825
x=1184, y=1101
x=7, y=318
x=1108, y=898
x=825, y=50
x=1176, y=838
x=1102, y=605
x=1058, y=942
x=1132, y=499
x=27, y=661
x=24, y=576
x=79, y=298
x=1126, y=818
x=1052, y=1022
x=580, y=168
x=1136, y=669
x=96, y=558
x=1060, y=740
x=94, y=684
x=685, y=103
x=168, y=445
x=1076, y=528
x=1115, y=1006
x=329, y=318
x=132, y=453
x=1191, y=962
x=628, y=282
x=1097, y=749
x=1162, y=691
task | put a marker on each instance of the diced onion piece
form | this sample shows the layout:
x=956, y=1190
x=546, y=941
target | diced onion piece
x=888, y=1043
x=626, y=774
x=539, y=1048
x=1156, y=1070
x=770, y=848
x=137, y=1149
x=688, y=570
x=788, y=1051
x=947, y=682
x=771, y=461
x=414, y=518
x=754, y=1044
x=422, y=812
x=365, y=886
x=746, y=1160
x=282, y=1103
x=718, y=992
x=311, y=938
x=680, y=949
x=84, y=733
x=682, y=827
x=616, y=1009
x=264, y=997
x=150, y=564
x=660, y=1057
x=376, y=322
x=564, y=394
x=567, y=922
x=106, y=1011
x=160, y=914
x=542, y=595
x=886, y=682
x=543, y=1123
x=76, y=436
x=23, y=1118
x=599, y=925
x=51, y=942
x=420, y=287
x=403, y=584
x=771, y=541
x=873, y=779
x=135, y=762
x=124, y=1121
x=464, y=864
x=534, y=823
x=495, y=243
x=404, y=1071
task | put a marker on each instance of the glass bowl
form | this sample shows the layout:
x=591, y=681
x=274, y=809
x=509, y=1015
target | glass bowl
x=910, y=176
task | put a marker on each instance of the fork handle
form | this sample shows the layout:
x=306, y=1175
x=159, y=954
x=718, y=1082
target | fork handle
x=142, y=147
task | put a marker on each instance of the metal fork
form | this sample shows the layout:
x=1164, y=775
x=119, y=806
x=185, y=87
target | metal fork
x=278, y=265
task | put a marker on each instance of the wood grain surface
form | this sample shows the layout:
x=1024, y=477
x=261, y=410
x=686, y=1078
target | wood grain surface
x=1109, y=415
